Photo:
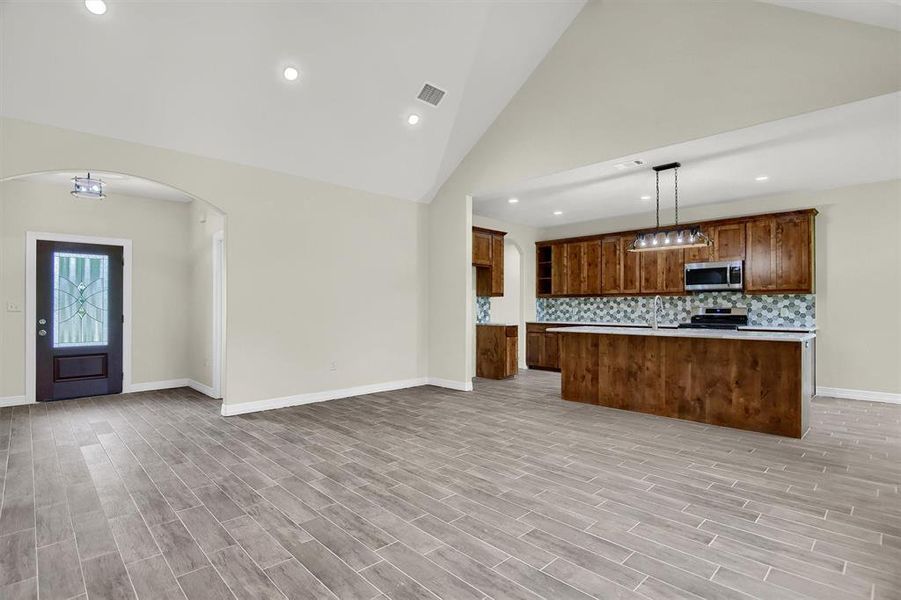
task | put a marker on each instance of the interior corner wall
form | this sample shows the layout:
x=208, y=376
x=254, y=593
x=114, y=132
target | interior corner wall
x=204, y=222
x=702, y=68
x=326, y=286
x=160, y=269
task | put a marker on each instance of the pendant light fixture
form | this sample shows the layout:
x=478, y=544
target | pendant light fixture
x=674, y=237
x=87, y=187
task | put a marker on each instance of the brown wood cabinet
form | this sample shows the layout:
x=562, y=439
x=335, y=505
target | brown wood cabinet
x=582, y=268
x=497, y=348
x=748, y=384
x=780, y=254
x=778, y=250
x=488, y=258
x=728, y=243
x=620, y=269
x=543, y=348
x=481, y=247
x=662, y=272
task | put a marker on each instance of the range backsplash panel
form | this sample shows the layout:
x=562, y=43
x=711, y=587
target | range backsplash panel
x=483, y=309
x=778, y=310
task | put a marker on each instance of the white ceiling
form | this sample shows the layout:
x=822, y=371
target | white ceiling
x=881, y=13
x=205, y=78
x=114, y=183
x=845, y=145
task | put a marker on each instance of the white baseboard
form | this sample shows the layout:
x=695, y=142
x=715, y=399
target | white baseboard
x=150, y=386
x=13, y=401
x=869, y=396
x=241, y=408
x=202, y=388
x=169, y=384
x=462, y=386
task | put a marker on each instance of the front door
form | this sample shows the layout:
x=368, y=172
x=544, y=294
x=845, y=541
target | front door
x=79, y=320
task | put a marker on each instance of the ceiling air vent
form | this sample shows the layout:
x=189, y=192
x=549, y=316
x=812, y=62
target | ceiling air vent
x=430, y=94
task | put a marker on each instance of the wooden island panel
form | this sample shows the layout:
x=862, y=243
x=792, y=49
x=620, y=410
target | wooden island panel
x=746, y=384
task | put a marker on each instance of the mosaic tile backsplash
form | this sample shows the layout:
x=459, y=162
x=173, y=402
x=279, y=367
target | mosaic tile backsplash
x=483, y=309
x=787, y=310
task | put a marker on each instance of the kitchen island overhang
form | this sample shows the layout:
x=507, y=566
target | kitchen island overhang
x=753, y=380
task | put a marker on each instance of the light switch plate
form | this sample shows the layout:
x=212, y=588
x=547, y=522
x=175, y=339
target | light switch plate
x=13, y=307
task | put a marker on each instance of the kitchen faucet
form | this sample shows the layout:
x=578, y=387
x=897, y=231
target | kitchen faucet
x=657, y=301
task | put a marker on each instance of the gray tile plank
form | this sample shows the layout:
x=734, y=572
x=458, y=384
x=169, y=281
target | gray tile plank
x=427, y=573
x=59, y=571
x=205, y=529
x=297, y=583
x=258, y=544
x=105, y=577
x=204, y=584
x=178, y=547
x=242, y=576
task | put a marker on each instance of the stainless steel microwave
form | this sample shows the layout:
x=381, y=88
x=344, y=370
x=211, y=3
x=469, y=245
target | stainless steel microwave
x=712, y=276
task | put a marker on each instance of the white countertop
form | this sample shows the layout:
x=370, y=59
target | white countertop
x=716, y=334
x=675, y=325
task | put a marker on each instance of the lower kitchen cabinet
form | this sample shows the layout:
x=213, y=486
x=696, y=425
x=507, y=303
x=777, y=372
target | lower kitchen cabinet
x=497, y=351
x=543, y=348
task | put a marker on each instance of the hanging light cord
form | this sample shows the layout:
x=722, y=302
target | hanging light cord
x=676, y=175
x=658, y=200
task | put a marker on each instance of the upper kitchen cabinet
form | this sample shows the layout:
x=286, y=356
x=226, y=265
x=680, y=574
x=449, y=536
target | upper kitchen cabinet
x=481, y=247
x=488, y=258
x=662, y=272
x=777, y=249
x=780, y=253
x=620, y=269
x=582, y=268
x=727, y=243
x=568, y=269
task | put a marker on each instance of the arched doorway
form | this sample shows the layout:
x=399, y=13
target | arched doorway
x=172, y=287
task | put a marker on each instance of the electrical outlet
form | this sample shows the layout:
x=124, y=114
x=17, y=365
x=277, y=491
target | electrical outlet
x=13, y=307
x=333, y=367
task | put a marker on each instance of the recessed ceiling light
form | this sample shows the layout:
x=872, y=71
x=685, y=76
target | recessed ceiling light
x=98, y=7
x=513, y=200
x=558, y=213
x=291, y=73
x=761, y=178
x=413, y=119
x=645, y=197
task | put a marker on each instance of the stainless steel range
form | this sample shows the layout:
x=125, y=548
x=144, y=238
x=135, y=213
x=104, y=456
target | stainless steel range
x=718, y=317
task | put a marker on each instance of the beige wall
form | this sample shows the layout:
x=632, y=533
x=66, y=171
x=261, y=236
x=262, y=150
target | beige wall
x=204, y=222
x=696, y=69
x=316, y=273
x=160, y=272
x=858, y=275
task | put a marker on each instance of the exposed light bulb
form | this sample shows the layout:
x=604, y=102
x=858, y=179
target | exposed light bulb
x=666, y=239
x=291, y=73
x=761, y=178
x=513, y=200
x=654, y=242
x=558, y=212
x=413, y=119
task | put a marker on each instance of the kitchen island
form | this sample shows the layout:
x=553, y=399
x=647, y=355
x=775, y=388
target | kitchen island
x=755, y=380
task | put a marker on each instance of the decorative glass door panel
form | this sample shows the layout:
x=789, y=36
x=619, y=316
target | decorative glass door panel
x=80, y=299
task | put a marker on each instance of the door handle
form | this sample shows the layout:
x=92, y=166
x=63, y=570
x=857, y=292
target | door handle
x=42, y=332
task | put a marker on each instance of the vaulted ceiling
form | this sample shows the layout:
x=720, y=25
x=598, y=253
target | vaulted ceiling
x=206, y=78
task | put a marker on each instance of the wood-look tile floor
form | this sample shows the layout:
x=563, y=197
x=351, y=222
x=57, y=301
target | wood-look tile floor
x=506, y=492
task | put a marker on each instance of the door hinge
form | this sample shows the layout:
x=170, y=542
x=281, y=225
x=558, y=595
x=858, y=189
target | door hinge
x=123, y=318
